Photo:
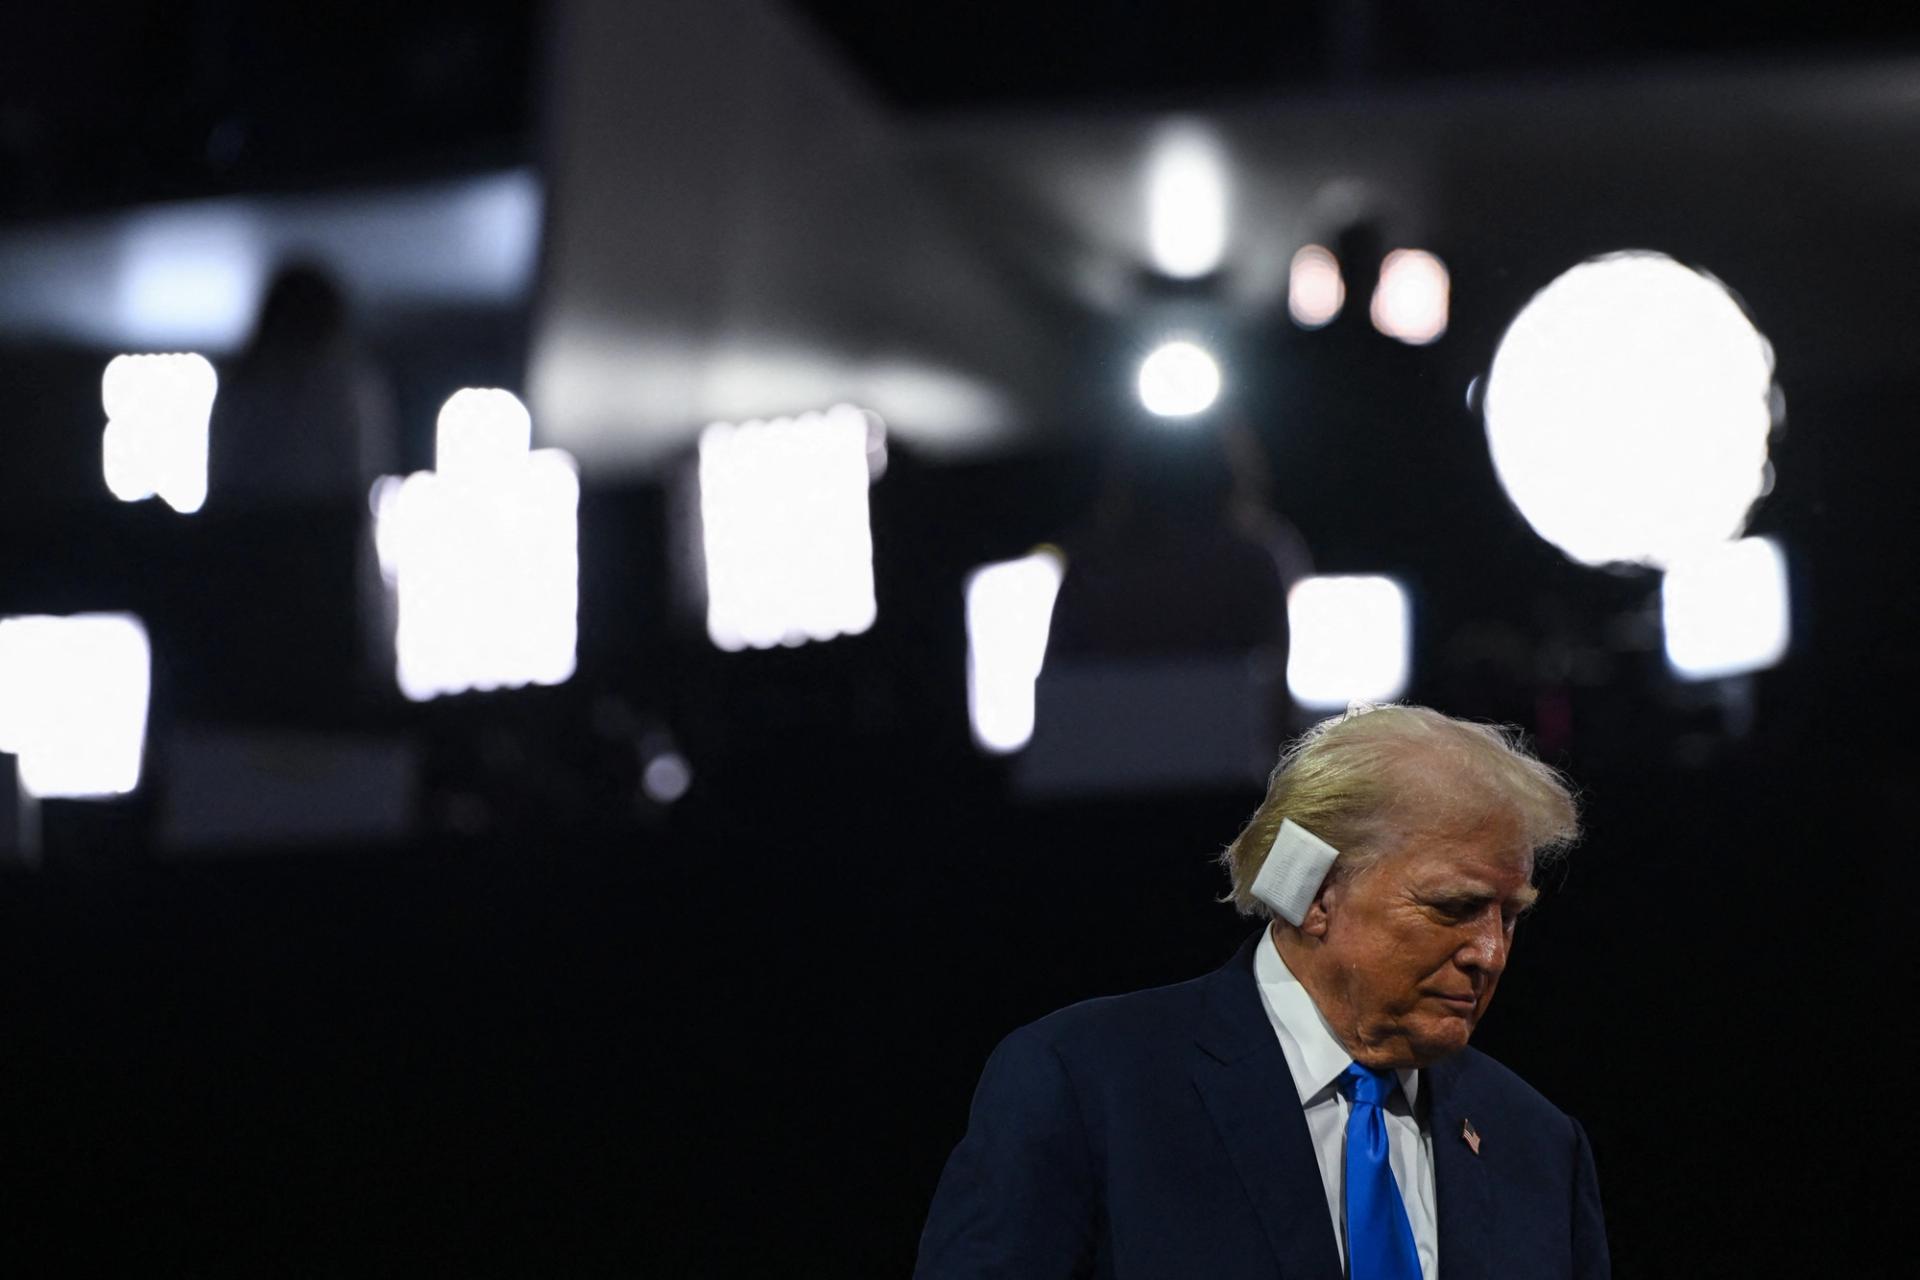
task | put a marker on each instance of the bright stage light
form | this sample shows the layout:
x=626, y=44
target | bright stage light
x=1410, y=302
x=482, y=554
x=1628, y=410
x=783, y=510
x=73, y=702
x=1179, y=380
x=155, y=441
x=483, y=436
x=1009, y=611
x=1315, y=291
x=1351, y=640
x=1187, y=204
x=1724, y=609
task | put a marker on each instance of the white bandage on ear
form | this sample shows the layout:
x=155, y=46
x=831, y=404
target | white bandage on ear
x=1296, y=865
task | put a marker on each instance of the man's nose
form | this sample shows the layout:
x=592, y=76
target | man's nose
x=1485, y=949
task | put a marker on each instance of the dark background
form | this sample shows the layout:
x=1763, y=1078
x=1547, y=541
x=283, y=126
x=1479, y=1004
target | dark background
x=566, y=1033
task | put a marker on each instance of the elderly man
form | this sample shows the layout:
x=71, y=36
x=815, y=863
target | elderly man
x=1311, y=1110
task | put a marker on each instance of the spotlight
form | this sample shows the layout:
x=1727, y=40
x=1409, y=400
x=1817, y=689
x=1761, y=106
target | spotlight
x=1410, y=302
x=73, y=702
x=1315, y=291
x=482, y=554
x=784, y=525
x=1724, y=609
x=1187, y=205
x=155, y=441
x=1179, y=380
x=1009, y=612
x=482, y=436
x=1628, y=410
x=1351, y=639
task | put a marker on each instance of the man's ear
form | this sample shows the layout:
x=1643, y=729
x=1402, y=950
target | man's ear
x=1319, y=915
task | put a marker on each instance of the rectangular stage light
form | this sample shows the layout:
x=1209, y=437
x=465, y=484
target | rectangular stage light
x=73, y=702
x=1009, y=611
x=783, y=515
x=482, y=555
x=155, y=441
x=1725, y=610
x=1352, y=640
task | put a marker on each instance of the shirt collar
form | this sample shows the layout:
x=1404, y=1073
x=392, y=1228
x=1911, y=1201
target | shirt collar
x=1315, y=1055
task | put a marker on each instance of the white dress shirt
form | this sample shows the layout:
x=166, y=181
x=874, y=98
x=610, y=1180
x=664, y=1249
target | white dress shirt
x=1317, y=1061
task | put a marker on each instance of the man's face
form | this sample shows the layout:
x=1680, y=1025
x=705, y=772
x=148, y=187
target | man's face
x=1415, y=943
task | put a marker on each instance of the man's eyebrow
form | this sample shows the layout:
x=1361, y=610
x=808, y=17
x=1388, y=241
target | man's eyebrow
x=1464, y=894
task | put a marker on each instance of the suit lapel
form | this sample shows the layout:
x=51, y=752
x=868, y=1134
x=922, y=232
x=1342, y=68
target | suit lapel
x=1461, y=1182
x=1243, y=1079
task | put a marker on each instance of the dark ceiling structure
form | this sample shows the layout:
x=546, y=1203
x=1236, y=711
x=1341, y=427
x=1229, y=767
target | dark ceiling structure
x=109, y=102
x=955, y=55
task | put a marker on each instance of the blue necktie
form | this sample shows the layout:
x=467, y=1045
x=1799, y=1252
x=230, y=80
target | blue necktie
x=1379, y=1237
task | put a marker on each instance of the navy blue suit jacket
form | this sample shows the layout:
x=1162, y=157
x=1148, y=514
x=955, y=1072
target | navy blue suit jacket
x=1159, y=1134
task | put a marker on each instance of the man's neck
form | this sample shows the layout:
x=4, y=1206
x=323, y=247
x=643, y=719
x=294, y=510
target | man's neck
x=1302, y=957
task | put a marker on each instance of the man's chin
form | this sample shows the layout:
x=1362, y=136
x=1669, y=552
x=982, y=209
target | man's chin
x=1429, y=1044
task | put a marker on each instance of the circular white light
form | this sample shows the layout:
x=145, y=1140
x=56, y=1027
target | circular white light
x=1628, y=409
x=666, y=777
x=1178, y=380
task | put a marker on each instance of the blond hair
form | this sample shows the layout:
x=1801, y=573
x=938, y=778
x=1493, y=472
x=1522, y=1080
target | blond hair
x=1359, y=779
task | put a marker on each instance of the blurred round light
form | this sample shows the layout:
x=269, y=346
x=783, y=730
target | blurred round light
x=1410, y=302
x=1628, y=410
x=666, y=777
x=1315, y=291
x=1179, y=380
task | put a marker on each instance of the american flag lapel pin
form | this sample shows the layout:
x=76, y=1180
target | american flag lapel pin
x=1471, y=1135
